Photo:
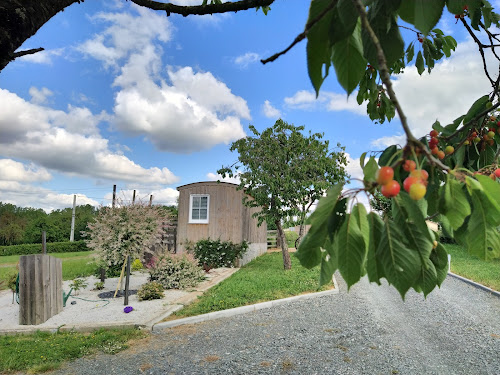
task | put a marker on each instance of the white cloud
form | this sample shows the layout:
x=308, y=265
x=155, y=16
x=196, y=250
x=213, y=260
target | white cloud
x=445, y=94
x=329, y=101
x=269, y=111
x=387, y=141
x=42, y=57
x=24, y=195
x=243, y=61
x=353, y=167
x=39, y=96
x=126, y=34
x=12, y=170
x=217, y=177
x=195, y=113
x=68, y=142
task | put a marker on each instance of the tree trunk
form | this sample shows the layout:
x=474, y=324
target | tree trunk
x=301, y=228
x=287, y=264
x=21, y=19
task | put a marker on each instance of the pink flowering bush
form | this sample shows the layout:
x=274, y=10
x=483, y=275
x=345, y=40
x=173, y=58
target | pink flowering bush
x=125, y=230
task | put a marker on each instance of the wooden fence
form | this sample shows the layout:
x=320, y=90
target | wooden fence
x=272, y=239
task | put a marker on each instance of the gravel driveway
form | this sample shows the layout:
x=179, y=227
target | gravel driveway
x=369, y=330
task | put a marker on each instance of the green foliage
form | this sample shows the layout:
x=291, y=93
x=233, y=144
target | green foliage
x=263, y=279
x=285, y=172
x=54, y=247
x=42, y=351
x=78, y=284
x=176, y=271
x=291, y=236
x=217, y=253
x=99, y=285
x=137, y=265
x=151, y=290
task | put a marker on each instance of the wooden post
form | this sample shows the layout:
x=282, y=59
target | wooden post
x=114, y=196
x=44, y=242
x=40, y=288
x=150, y=200
x=72, y=235
x=133, y=198
x=127, y=281
x=102, y=274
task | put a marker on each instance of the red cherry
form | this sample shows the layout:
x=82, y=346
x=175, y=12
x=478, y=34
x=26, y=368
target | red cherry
x=434, y=133
x=408, y=182
x=391, y=189
x=409, y=165
x=497, y=172
x=457, y=16
x=421, y=174
x=433, y=142
x=384, y=175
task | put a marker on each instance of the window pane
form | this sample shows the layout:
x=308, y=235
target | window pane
x=203, y=214
x=196, y=214
x=203, y=203
x=196, y=202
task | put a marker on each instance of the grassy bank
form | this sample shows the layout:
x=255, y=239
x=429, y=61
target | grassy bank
x=42, y=351
x=73, y=265
x=471, y=267
x=261, y=280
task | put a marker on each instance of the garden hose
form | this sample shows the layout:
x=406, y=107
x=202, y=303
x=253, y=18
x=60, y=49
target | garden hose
x=89, y=300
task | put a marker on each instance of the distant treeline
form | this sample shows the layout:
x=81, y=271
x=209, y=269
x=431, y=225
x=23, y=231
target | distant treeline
x=24, y=225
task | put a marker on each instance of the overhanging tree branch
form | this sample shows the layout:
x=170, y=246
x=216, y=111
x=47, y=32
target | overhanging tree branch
x=186, y=10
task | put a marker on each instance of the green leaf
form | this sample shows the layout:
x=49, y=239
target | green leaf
x=410, y=52
x=309, y=252
x=401, y=264
x=387, y=155
x=424, y=14
x=351, y=251
x=437, y=126
x=329, y=262
x=344, y=20
x=427, y=279
x=456, y=6
x=348, y=60
x=370, y=170
x=491, y=189
x=486, y=157
x=478, y=106
x=362, y=159
x=483, y=238
x=459, y=157
x=419, y=63
x=455, y=203
x=439, y=257
x=374, y=268
x=360, y=214
x=387, y=31
x=318, y=44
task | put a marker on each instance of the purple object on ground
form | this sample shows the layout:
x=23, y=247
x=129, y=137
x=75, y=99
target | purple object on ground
x=127, y=309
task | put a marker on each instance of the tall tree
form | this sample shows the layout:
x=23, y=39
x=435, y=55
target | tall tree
x=284, y=171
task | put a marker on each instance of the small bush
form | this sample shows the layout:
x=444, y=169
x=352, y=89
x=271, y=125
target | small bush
x=137, y=265
x=99, y=285
x=217, y=253
x=291, y=236
x=176, y=271
x=36, y=248
x=78, y=284
x=149, y=291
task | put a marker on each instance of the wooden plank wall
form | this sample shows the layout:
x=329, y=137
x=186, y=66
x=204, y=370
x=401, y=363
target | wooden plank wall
x=40, y=288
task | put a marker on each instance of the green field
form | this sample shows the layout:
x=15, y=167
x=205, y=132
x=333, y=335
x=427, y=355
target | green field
x=78, y=264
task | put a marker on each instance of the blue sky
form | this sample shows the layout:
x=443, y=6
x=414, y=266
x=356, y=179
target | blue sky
x=127, y=96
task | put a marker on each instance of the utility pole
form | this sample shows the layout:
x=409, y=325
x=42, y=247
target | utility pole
x=114, y=196
x=72, y=235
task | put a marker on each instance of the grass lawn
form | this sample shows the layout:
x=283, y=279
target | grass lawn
x=73, y=265
x=471, y=267
x=43, y=351
x=261, y=280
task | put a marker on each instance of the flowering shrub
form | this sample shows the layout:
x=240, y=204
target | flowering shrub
x=217, y=253
x=176, y=271
x=149, y=291
x=125, y=230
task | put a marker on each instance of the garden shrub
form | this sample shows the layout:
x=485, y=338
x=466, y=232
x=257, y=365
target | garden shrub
x=137, y=265
x=36, y=248
x=151, y=290
x=217, y=253
x=176, y=271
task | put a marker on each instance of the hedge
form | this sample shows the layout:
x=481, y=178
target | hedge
x=36, y=248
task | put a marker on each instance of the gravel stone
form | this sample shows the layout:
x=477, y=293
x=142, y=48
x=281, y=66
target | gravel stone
x=368, y=330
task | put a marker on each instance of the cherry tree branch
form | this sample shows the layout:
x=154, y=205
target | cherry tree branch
x=32, y=51
x=186, y=10
x=386, y=79
x=302, y=35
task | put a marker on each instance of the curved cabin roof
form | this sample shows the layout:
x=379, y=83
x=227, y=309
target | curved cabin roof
x=206, y=183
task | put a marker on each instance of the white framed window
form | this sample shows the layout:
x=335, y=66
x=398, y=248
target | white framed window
x=198, y=208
